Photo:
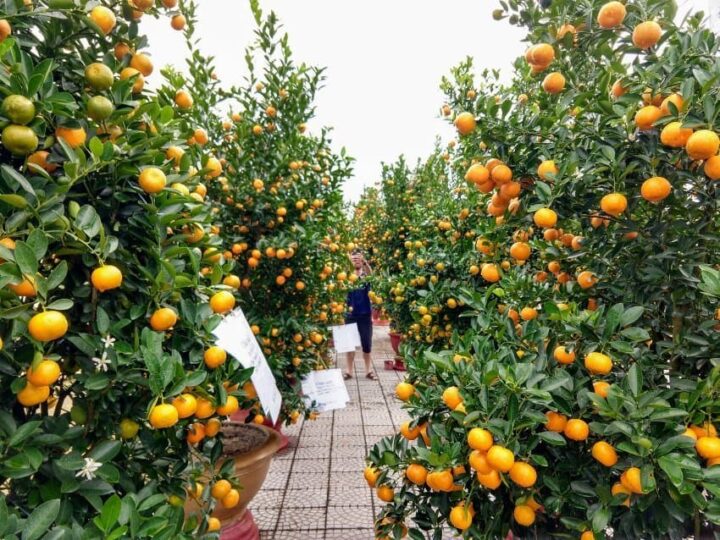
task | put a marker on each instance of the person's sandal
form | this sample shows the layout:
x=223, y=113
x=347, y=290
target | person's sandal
x=347, y=376
x=372, y=376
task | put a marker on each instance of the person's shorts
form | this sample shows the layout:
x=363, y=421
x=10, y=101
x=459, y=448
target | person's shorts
x=364, y=324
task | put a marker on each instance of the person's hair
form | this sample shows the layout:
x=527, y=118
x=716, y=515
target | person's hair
x=356, y=251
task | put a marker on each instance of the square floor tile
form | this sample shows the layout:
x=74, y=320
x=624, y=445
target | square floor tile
x=346, y=496
x=348, y=452
x=303, y=466
x=349, y=517
x=275, y=480
x=320, y=440
x=305, y=498
x=305, y=518
x=313, y=452
x=345, y=480
x=266, y=518
x=300, y=480
x=266, y=498
x=354, y=464
x=350, y=440
x=349, y=534
x=300, y=535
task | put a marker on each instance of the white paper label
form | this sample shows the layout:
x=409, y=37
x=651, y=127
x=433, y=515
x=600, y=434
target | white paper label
x=346, y=338
x=235, y=336
x=326, y=388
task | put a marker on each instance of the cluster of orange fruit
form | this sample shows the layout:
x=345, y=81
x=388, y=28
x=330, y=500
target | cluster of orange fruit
x=496, y=175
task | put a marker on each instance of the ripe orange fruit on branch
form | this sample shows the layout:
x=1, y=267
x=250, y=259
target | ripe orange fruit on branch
x=646, y=117
x=546, y=169
x=465, y=123
x=152, y=180
x=478, y=461
x=178, y=22
x=214, y=524
x=477, y=174
x=404, y=391
x=524, y=515
x=586, y=279
x=222, y=302
x=130, y=73
x=106, y=277
x=703, y=144
x=74, y=137
x=490, y=272
x=451, y=397
x=48, y=325
x=461, y=517
x=104, y=18
x=523, y=474
x=500, y=458
x=163, y=416
x=555, y=422
x=611, y=15
x=32, y=395
x=520, y=251
x=220, y=489
x=25, y=288
x=631, y=480
x=576, y=429
x=480, y=439
x=712, y=168
x=186, y=405
x=545, y=218
x=44, y=374
x=601, y=388
x=205, y=408
x=490, y=480
x=214, y=357
x=676, y=100
x=708, y=447
x=619, y=488
x=163, y=319
x=655, y=189
x=613, y=204
x=563, y=356
x=440, y=480
x=598, y=363
x=604, y=453
x=674, y=135
x=385, y=493
x=371, y=475
x=232, y=499
x=230, y=406
x=646, y=34
x=183, y=99
x=554, y=83
x=416, y=473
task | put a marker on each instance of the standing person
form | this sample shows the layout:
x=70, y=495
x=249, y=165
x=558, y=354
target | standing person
x=360, y=313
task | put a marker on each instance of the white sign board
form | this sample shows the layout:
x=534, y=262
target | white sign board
x=346, y=338
x=326, y=388
x=235, y=336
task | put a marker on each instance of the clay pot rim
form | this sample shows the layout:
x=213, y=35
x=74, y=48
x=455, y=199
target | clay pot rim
x=269, y=448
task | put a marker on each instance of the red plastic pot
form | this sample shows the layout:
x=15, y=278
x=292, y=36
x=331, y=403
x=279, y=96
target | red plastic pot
x=395, y=340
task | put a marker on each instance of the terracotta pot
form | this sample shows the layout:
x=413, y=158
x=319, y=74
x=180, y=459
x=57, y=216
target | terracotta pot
x=395, y=340
x=251, y=468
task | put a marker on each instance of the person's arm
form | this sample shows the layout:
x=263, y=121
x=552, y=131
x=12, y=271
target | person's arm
x=368, y=268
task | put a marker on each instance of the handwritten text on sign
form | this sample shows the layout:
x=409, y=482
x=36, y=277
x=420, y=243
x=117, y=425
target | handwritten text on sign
x=235, y=336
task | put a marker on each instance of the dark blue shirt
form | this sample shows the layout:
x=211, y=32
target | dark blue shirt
x=358, y=301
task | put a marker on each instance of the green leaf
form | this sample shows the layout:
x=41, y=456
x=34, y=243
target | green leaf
x=601, y=518
x=40, y=520
x=109, y=514
x=88, y=221
x=105, y=451
x=14, y=200
x=15, y=178
x=672, y=469
x=553, y=438
x=23, y=432
x=631, y=315
x=26, y=259
x=635, y=380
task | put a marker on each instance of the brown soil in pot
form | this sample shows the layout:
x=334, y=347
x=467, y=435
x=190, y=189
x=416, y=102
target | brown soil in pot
x=242, y=438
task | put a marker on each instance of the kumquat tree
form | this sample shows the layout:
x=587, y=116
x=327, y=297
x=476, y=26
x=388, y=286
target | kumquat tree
x=562, y=343
x=280, y=211
x=113, y=276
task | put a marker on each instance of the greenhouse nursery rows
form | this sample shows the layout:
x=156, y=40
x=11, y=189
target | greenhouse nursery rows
x=551, y=275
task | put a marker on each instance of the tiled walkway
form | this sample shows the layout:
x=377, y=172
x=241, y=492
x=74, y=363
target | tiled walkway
x=315, y=489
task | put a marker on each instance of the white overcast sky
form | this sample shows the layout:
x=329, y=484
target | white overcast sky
x=384, y=62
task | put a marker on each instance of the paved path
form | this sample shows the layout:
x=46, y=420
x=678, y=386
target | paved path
x=315, y=489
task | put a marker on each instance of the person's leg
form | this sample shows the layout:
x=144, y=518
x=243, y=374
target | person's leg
x=350, y=363
x=366, y=340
